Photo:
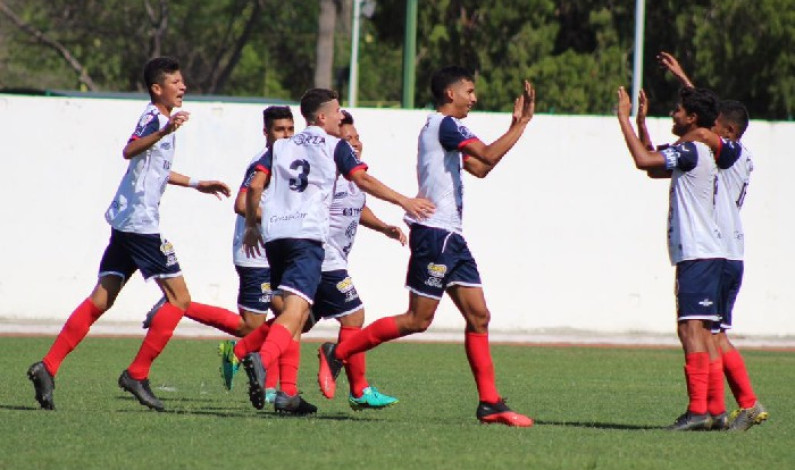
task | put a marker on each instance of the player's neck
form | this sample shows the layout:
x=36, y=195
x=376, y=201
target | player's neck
x=449, y=110
x=164, y=110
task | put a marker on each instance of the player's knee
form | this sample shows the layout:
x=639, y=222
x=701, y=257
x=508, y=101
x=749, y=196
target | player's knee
x=182, y=301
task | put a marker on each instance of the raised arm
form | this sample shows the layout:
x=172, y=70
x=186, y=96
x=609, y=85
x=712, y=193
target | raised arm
x=644, y=159
x=640, y=120
x=485, y=157
x=252, y=238
x=136, y=146
x=672, y=65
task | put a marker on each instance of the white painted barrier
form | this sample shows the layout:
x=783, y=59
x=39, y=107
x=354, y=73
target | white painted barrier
x=567, y=234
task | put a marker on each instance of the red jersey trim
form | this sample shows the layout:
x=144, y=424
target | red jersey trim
x=359, y=167
x=468, y=141
x=262, y=169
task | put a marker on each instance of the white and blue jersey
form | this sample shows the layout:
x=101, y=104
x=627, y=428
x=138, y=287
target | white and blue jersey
x=135, y=207
x=238, y=253
x=693, y=231
x=439, y=165
x=732, y=186
x=346, y=210
x=303, y=169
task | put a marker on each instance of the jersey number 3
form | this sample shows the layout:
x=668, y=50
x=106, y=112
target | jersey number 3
x=301, y=180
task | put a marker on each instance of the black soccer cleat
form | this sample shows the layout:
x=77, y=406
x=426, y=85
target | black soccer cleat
x=255, y=371
x=293, y=404
x=150, y=315
x=690, y=421
x=328, y=369
x=141, y=390
x=43, y=383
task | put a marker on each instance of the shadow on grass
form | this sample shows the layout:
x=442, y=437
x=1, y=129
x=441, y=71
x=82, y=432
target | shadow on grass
x=597, y=425
x=227, y=413
x=19, y=408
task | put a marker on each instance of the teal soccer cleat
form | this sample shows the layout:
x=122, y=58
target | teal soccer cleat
x=371, y=399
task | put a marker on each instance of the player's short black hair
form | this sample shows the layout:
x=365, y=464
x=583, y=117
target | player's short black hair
x=272, y=113
x=156, y=69
x=312, y=101
x=445, y=77
x=347, y=118
x=736, y=113
x=702, y=102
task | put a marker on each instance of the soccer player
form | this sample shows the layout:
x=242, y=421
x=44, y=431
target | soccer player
x=300, y=175
x=694, y=239
x=440, y=259
x=731, y=123
x=135, y=241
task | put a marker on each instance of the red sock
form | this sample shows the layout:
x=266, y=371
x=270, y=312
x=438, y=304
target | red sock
x=279, y=339
x=379, y=331
x=160, y=331
x=356, y=364
x=737, y=376
x=716, y=401
x=73, y=331
x=217, y=317
x=252, y=342
x=697, y=377
x=272, y=377
x=288, y=368
x=479, y=356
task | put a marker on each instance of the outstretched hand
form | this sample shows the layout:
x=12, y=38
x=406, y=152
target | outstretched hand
x=624, y=107
x=394, y=232
x=643, y=106
x=176, y=121
x=669, y=62
x=418, y=208
x=215, y=188
x=252, y=241
x=525, y=105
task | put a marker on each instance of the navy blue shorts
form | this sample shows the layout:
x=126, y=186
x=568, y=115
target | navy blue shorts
x=439, y=259
x=128, y=252
x=336, y=297
x=698, y=289
x=295, y=265
x=254, y=294
x=730, y=282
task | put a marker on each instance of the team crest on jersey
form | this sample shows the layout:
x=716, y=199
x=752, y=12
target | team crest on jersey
x=350, y=232
x=437, y=270
x=465, y=132
x=168, y=250
x=345, y=285
x=265, y=287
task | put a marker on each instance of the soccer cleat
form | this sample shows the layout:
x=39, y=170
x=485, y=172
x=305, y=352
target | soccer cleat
x=270, y=395
x=140, y=389
x=499, y=412
x=229, y=362
x=151, y=313
x=744, y=418
x=255, y=371
x=690, y=421
x=371, y=399
x=43, y=383
x=293, y=404
x=720, y=422
x=328, y=370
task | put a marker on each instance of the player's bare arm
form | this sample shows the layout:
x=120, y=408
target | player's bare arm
x=216, y=188
x=240, y=205
x=252, y=237
x=487, y=156
x=640, y=120
x=138, y=146
x=416, y=207
x=670, y=63
x=371, y=221
x=644, y=158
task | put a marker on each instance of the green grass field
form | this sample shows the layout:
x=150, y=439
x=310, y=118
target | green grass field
x=594, y=408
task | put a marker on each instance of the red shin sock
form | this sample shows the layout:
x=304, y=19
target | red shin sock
x=73, y=331
x=380, y=331
x=217, y=317
x=356, y=365
x=160, y=331
x=479, y=356
x=697, y=377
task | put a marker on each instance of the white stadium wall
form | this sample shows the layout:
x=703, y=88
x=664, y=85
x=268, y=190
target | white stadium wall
x=566, y=232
